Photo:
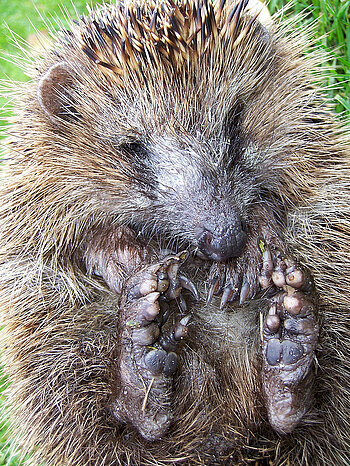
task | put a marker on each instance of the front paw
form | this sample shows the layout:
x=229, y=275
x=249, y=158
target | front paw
x=241, y=278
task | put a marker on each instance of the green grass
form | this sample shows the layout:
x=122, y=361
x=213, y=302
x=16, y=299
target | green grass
x=332, y=18
x=22, y=17
x=6, y=455
x=332, y=25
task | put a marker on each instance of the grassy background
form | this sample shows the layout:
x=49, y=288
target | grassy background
x=332, y=21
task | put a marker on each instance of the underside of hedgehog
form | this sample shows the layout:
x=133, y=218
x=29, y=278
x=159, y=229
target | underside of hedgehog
x=174, y=224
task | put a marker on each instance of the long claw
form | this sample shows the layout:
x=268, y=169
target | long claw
x=189, y=285
x=180, y=331
x=185, y=320
x=182, y=303
x=226, y=296
x=245, y=290
x=170, y=341
x=214, y=288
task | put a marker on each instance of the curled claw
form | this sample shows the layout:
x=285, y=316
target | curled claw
x=227, y=295
x=180, y=331
x=173, y=283
x=170, y=341
x=215, y=288
x=188, y=285
x=185, y=320
x=245, y=290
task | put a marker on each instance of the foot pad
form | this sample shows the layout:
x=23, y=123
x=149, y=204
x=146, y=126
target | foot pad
x=289, y=337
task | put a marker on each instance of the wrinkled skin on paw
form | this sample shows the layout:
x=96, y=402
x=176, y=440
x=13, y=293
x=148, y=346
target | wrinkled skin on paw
x=289, y=337
x=148, y=357
x=147, y=282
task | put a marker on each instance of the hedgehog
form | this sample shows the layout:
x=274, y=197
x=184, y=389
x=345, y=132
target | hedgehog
x=174, y=246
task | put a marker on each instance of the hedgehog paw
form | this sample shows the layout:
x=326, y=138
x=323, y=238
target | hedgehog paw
x=289, y=338
x=148, y=358
x=236, y=279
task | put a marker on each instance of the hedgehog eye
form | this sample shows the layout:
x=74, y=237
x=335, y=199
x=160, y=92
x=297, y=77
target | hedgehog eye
x=135, y=149
x=233, y=121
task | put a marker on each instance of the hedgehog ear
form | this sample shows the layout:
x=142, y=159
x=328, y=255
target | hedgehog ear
x=55, y=93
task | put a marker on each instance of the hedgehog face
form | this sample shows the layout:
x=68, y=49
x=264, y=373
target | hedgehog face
x=170, y=114
x=198, y=189
x=189, y=198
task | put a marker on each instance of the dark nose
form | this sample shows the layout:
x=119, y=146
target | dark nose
x=222, y=243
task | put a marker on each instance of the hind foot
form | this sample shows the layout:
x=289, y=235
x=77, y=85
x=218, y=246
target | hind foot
x=148, y=358
x=289, y=338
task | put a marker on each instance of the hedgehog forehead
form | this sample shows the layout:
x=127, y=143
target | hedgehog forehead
x=173, y=67
x=175, y=64
x=135, y=39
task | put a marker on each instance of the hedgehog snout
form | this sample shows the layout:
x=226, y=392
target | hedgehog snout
x=223, y=242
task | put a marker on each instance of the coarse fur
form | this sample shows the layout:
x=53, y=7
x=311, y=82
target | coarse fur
x=141, y=126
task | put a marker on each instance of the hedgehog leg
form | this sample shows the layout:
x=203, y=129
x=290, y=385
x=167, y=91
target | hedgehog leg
x=113, y=253
x=289, y=338
x=148, y=358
